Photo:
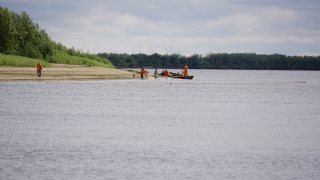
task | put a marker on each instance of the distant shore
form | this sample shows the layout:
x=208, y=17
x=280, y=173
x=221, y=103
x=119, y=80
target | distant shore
x=63, y=72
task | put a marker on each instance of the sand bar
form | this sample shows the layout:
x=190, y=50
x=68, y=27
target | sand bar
x=63, y=72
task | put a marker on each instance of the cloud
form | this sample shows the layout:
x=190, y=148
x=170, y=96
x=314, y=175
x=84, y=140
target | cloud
x=187, y=27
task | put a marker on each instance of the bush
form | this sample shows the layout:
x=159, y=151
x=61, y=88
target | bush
x=65, y=58
x=19, y=61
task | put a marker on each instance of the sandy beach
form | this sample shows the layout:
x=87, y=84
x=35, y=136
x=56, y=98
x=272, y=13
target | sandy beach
x=63, y=72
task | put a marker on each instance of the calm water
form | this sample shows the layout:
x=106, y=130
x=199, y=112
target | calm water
x=223, y=124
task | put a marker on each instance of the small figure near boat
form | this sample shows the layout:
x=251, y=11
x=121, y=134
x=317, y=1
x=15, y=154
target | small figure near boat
x=155, y=73
x=185, y=70
x=142, y=73
x=39, y=69
x=166, y=74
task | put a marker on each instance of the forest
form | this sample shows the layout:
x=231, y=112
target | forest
x=215, y=61
x=19, y=36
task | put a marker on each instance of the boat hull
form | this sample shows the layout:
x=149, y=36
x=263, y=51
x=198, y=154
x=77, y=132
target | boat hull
x=183, y=77
x=176, y=75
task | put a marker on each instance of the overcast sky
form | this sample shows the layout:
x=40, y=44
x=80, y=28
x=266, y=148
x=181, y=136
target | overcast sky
x=290, y=27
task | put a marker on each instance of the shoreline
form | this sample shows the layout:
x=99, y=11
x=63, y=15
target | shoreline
x=63, y=72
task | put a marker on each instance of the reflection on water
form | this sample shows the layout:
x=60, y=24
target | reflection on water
x=223, y=124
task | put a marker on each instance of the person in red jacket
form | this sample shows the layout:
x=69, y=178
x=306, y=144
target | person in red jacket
x=39, y=69
x=142, y=73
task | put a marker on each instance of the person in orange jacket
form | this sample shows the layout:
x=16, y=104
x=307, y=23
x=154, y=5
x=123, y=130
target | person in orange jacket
x=142, y=73
x=185, y=70
x=39, y=69
x=166, y=74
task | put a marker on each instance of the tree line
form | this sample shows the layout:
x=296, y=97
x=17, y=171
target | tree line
x=215, y=61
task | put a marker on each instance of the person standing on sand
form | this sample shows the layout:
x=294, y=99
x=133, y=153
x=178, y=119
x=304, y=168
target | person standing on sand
x=155, y=73
x=142, y=73
x=39, y=69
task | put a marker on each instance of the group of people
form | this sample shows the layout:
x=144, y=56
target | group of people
x=142, y=72
x=166, y=72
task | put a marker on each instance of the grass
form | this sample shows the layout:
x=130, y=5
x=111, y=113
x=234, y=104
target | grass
x=133, y=70
x=57, y=57
x=19, y=61
x=64, y=58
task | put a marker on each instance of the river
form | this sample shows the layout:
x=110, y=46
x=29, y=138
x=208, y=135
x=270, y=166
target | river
x=223, y=124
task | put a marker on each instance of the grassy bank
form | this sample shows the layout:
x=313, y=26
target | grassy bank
x=65, y=58
x=57, y=57
x=19, y=61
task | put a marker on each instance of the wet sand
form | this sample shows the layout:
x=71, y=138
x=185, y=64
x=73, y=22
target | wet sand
x=63, y=72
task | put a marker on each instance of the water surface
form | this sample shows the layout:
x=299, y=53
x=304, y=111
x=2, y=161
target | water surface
x=223, y=124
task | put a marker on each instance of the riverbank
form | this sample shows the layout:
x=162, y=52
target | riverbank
x=64, y=72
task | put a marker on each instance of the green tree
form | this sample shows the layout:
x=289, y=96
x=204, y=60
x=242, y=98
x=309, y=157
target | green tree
x=7, y=31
